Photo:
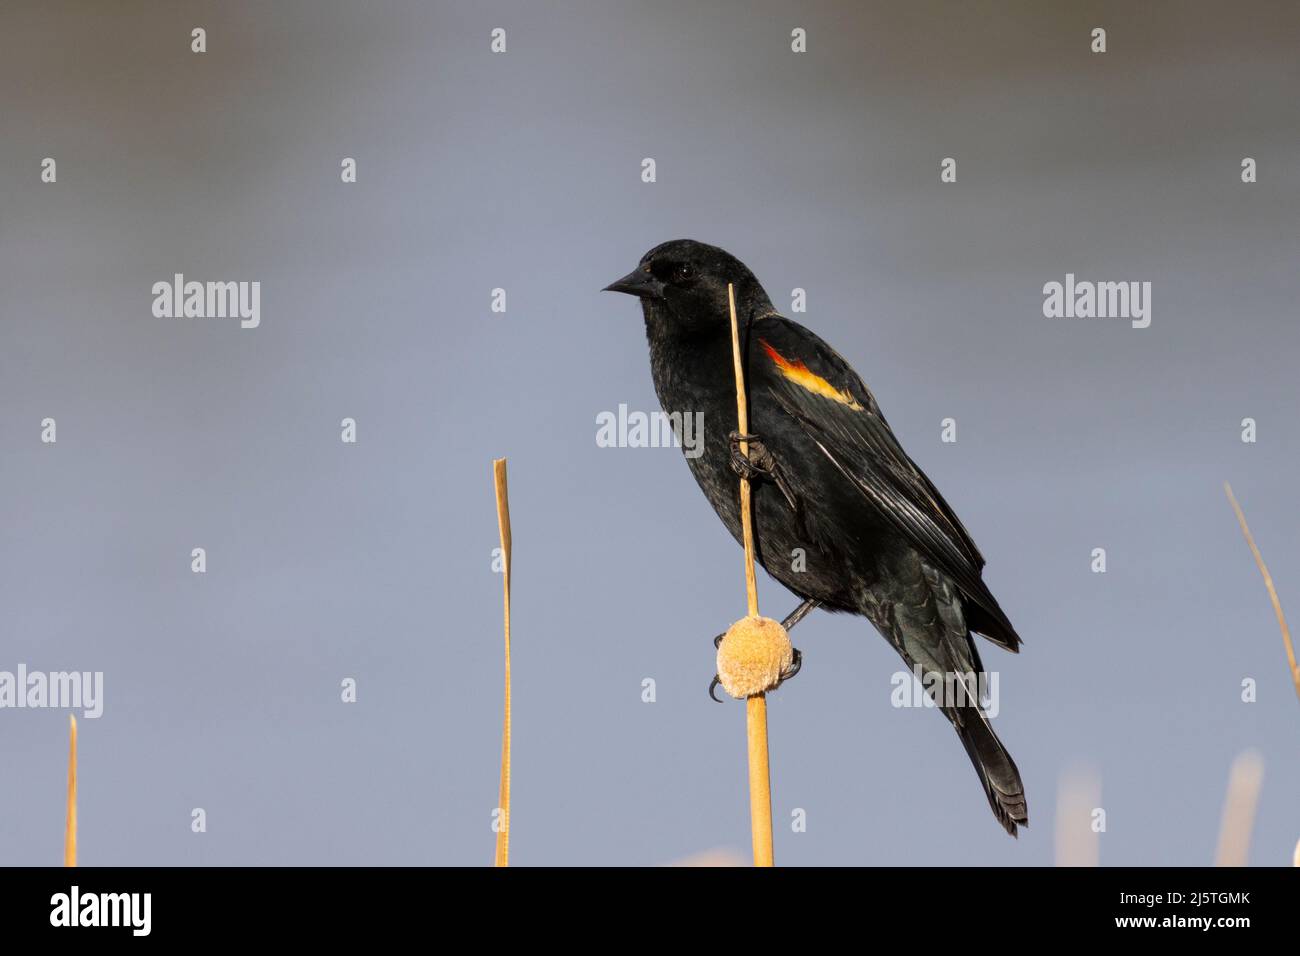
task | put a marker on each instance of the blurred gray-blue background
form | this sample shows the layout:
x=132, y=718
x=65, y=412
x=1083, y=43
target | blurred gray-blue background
x=522, y=171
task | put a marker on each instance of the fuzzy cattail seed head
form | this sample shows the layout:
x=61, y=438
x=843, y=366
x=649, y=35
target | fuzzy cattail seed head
x=753, y=655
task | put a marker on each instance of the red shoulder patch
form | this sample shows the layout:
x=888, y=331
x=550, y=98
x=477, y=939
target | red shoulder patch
x=796, y=371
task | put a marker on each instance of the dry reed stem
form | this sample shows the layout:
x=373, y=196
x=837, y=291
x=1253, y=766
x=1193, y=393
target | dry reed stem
x=70, y=827
x=502, y=857
x=760, y=785
x=1078, y=795
x=1268, y=583
x=760, y=793
x=1244, y=781
x=742, y=424
x=718, y=857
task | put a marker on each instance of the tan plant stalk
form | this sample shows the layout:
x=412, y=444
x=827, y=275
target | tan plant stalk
x=760, y=792
x=1244, y=780
x=503, y=525
x=1078, y=796
x=70, y=827
x=1268, y=583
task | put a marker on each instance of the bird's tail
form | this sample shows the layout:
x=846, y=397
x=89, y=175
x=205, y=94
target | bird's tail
x=932, y=636
x=997, y=770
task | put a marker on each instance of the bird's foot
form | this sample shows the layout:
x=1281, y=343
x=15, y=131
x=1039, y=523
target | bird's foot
x=759, y=465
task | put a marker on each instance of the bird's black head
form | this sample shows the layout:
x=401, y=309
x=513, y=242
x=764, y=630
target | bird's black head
x=682, y=285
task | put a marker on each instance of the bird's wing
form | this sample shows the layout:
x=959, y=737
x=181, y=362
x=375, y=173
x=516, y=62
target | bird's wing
x=816, y=387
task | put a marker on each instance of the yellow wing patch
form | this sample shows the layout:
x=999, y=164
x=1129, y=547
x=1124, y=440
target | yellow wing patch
x=799, y=373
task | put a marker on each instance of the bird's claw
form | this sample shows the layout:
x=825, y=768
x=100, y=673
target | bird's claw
x=717, y=642
x=716, y=681
x=796, y=662
x=759, y=465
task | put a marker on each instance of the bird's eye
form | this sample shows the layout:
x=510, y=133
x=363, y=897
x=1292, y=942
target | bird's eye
x=684, y=272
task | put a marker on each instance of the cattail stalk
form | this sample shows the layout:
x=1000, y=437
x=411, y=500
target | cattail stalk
x=1078, y=797
x=1268, y=583
x=503, y=524
x=1238, y=819
x=70, y=827
x=760, y=788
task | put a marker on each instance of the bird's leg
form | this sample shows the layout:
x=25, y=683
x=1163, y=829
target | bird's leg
x=791, y=619
x=799, y=613
x=760, y=465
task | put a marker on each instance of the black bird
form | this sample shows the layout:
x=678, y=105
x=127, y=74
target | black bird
x=830, y=478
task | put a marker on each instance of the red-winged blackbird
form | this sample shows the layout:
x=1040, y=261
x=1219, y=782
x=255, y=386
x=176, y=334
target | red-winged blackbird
x=830, y=479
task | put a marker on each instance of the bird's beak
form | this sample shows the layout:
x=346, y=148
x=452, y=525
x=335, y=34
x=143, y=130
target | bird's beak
x=640, y=282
